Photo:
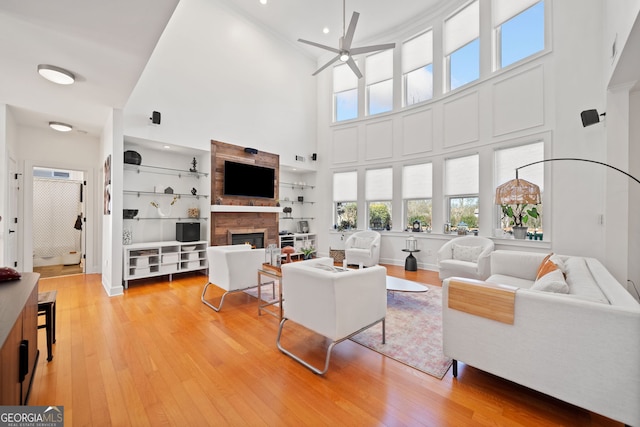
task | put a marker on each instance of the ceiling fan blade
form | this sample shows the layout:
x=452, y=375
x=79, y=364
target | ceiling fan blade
x=321, y=46
x=352, y=64
x=326, y=65
x=348, y=37
x=367, y=49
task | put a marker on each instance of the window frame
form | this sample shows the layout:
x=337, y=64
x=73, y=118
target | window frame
x=497, y=37
x=405, y=73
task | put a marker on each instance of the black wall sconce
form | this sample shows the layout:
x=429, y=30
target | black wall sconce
x=590, y=117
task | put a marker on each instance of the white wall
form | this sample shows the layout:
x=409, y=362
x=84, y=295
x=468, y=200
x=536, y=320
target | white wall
x=215, y=75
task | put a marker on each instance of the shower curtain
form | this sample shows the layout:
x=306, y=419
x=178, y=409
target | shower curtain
x=57, y=206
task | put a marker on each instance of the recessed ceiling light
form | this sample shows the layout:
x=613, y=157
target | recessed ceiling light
x=167, y=147
x=263, y=1
x=325, y=30
x=56, y=74
x=60, y=127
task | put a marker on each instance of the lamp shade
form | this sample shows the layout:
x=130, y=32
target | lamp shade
x=517, y=192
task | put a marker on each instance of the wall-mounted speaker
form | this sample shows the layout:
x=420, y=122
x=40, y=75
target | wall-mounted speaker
x=155, y=117
x=251, y=150
x=590, y=117
x=314, y=157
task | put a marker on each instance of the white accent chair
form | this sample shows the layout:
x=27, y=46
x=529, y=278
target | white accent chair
x=233, y=268
x=467, y=256
x=362, y=247
x=332, y=302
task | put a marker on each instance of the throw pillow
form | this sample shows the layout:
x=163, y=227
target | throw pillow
x=544, y=261
x=466, y=253
x=552, y=282
x=7, y=273
x=546, y=266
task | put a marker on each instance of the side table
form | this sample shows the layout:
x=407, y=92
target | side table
x=276, y=274
x=411, y=263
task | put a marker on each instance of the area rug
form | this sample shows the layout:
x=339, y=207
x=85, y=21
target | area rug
x=413, y=330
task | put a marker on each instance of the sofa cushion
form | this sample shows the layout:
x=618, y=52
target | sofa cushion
x=553, y=281
x=501, y=279
x=466, y=253
x=581, y=282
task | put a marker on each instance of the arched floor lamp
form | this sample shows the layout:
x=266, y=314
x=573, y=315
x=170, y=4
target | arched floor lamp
x=519, y=191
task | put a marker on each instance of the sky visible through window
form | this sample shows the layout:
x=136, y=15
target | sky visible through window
x=520, y=37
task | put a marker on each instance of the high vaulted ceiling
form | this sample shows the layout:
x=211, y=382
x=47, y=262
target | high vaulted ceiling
x=107, y=44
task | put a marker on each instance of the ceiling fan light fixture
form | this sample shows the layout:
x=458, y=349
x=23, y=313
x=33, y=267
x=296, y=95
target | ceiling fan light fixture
x=60, y=127
x=56, y=74
x=344, y=56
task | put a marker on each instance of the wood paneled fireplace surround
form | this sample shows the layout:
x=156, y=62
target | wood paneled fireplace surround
x=242, y=219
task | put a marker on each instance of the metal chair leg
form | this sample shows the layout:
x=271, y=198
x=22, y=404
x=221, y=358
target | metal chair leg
x=328, y=355
x=204, y=291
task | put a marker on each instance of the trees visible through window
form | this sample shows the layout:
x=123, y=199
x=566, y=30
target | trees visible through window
x=416, y=194
x=506, y=162
x=519, y=29
x=462, y=189
x=462, y=46
x=345, y=93
x=378, y=194
x=417, y=69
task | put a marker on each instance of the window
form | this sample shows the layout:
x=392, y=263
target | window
x=345, y=93
x=506, y=162
x=462, y=46
x=379, y=71
x=417, y=69
x=416, y=194
x=461, y=191
x=345, y=198
x=519, y=29
x=378, y=194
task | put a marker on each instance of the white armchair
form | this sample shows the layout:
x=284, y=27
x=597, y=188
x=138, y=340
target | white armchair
x=335, y=304
x=362, y=247
x=233, y=268
x=467, y=256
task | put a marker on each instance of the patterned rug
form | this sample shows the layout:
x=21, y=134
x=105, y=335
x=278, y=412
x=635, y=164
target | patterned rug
x=413, y=330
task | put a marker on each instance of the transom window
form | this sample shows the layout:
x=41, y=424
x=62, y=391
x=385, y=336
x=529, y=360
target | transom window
x=462, y=46
x=379, y=74
x=518, y=28
x=378, y=194
x=462, y=187
x=345, y=93
x=417, y=69
x=416, y=195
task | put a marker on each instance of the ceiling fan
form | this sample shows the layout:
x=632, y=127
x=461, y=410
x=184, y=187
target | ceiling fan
x=344, y=51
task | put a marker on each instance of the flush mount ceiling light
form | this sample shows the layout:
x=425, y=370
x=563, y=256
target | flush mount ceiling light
x=56, y=74
x=60, y=127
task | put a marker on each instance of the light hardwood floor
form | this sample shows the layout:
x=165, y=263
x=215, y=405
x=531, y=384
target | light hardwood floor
x=158, y=356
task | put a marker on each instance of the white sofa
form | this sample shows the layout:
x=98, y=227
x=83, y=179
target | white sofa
x=582, y=347
x=332, y=302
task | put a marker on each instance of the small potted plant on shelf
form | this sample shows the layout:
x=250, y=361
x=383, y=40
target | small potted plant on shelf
x=308, y=252
x=518, y=216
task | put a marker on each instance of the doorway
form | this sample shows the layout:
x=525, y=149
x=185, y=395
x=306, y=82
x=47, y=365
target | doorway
x=59, y=238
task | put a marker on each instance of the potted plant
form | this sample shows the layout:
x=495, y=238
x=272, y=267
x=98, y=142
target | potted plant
x=518, y=216
x=308, y=252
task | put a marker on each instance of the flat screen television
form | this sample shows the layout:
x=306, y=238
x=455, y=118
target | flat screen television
x=241, y=179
